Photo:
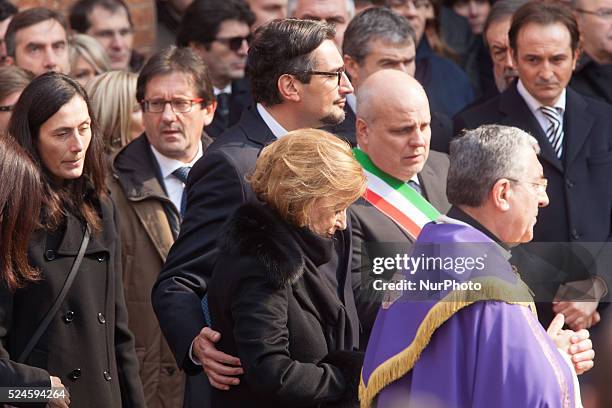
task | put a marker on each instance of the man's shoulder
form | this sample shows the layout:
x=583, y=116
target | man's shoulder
x=438, y=160
x=476, y=113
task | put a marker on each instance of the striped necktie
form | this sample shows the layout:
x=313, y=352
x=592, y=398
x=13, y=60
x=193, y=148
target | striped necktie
x=554, y=133
x=181, y=173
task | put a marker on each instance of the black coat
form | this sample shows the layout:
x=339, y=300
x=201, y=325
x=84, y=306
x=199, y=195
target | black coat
x=238, y=101
x=87, y=344
x=593, y=79
x=280, y=315
x=216, y=187
x=579, y=185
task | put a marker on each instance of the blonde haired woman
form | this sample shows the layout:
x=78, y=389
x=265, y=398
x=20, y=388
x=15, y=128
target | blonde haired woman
x=273, y=305
x=87, y=58
x=113, y=100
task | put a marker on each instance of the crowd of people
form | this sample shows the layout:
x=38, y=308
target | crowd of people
x=199, y=227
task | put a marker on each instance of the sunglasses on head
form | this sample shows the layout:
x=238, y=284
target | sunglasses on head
x=234, y=43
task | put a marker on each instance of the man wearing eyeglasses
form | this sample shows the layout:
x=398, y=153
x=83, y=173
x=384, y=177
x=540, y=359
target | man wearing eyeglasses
x=149, y=189
x=109, y=22
x=298, y=81
x=219, y=31
x=593, y=75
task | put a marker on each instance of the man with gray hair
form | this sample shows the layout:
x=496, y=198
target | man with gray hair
x=497, y=185
x=334, y=12
x=379, y=38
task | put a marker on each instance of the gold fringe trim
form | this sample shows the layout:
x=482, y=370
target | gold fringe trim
x=493, y=289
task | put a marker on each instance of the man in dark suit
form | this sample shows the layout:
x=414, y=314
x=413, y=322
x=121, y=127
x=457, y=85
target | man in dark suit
x=376, y=39
x=297, y=82
x=393, y=130
x=219, y=31
x=574, y=132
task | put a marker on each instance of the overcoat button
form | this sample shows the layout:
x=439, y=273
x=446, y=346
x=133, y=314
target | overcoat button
x=101, y=318
x=69, y=316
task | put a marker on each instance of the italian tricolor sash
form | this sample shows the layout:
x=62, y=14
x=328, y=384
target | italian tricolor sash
x=396, y=199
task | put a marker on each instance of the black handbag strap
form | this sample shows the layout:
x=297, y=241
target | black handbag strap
x=59, y=300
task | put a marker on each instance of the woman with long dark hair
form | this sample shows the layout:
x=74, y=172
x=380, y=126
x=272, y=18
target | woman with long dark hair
x=72, y=322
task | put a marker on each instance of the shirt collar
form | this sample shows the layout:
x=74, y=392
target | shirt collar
x=227, y=89
x=352, y=102
x=533, y=103
x=167, y=165
x=277, y=129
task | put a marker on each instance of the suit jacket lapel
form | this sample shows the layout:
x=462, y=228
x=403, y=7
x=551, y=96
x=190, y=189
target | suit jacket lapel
x=577, y=124
x=434, y=191
x=518, y=114
x=254, y=127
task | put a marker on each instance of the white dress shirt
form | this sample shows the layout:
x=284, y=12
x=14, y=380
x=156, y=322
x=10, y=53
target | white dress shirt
x=534, y=106
x=174, y=187
x=277, y=129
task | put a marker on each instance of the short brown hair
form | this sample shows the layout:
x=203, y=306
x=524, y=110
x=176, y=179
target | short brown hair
x=173, y=59
x=303, y=166
x=283, y=47
x=545, y=12
x=27, y=18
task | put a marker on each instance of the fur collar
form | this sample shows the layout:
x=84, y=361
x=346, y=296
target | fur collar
x=256, y=230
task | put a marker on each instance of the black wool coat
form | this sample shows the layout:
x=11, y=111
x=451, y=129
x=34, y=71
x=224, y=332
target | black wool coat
x=87, y=344
x=281, y=316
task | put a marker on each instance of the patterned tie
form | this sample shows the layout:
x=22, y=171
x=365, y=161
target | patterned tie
x=554, y=133
x=415, y=186
x=181, y=173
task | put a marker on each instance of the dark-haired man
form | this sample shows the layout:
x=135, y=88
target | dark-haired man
x=574, y=133
x=148, y=188
x=379, y=38
x=7, y=11
x=109, y=22
x=298, y=81
x=37, y=41
x=219, y=31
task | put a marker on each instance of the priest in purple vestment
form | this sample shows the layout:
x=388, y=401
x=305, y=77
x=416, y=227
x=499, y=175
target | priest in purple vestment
x=462, y=335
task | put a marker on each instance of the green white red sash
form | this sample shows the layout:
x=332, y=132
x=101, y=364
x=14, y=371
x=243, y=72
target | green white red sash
x=396, y=199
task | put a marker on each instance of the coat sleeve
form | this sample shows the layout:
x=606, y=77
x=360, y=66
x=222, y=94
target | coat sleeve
x=132, y=394
x=261, y=336
x=214, y=190
x=12, y=373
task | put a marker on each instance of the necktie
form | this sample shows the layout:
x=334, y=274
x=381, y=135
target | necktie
x=181, y=173
x=222, y=111
x=415, y=186
x=554, y=133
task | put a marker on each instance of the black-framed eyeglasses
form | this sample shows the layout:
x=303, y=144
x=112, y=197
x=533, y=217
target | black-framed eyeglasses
x=605, y=13
x=337, y=74
x=234, y=43
x=177, y=105
x=540, y=185
x=7, y=108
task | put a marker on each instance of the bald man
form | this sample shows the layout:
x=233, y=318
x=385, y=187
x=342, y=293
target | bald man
x=393, y=132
